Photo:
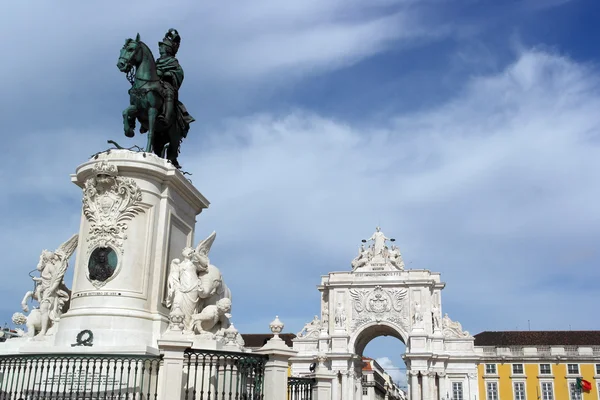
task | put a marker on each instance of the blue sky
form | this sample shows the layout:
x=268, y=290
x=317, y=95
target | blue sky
x=468, y=129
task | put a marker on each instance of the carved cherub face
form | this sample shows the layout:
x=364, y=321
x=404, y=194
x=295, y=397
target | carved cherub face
x=224, y=305
x=188, y=253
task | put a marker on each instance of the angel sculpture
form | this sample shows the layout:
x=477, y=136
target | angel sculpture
x=50, y=290
x=194, y=283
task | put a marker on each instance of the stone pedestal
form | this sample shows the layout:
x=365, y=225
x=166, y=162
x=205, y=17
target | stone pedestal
x=138, y=214
x=276, y=369
x=171, y=373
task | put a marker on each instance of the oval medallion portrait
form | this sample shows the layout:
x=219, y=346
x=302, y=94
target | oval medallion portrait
x=102, y=264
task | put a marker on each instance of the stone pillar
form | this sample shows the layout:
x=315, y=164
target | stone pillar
x=139, y=212
x=443, y=388
x=322, y=390
x=414, y=385
x=335, y=389
x=425, y=386
x=344, y=385
x=170, y=382
x=276, y=369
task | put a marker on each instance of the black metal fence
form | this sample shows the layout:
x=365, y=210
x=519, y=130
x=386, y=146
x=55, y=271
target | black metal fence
x=220, y=375
x=300, y=388
x=78, y=377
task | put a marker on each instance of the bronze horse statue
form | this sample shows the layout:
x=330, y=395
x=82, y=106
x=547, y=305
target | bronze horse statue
x=147, y=101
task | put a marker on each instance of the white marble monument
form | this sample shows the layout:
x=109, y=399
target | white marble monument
x=136, y=279
x=380, y=297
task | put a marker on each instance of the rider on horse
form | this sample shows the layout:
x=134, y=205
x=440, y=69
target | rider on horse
x=171, y=76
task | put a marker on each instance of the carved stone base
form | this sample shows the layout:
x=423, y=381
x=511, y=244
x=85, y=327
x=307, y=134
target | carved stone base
x=139, y=212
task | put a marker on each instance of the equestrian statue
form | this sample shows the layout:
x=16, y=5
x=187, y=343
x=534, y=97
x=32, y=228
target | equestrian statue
x=153, y=97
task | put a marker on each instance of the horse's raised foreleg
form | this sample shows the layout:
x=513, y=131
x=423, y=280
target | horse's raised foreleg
x=129, y=120
x=152, y=113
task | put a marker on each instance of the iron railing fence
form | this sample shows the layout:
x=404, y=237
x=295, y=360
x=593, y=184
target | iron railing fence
x=78, y=377
x=300, y=388
x=221, y=375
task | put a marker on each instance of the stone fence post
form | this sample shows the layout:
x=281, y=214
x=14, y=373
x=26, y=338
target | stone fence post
x=276, y=369
x=170, y=383
x=322, y=390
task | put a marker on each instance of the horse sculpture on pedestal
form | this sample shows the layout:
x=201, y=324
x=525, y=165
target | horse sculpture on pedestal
x=152, y=95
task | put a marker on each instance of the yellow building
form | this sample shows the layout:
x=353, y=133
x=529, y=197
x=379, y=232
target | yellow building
x=544, y=365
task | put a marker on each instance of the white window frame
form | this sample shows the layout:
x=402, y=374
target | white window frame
x=597, y=369
x=365, y=391
x=573, y=382
x=522, y=369
x=490, y=373
x=515, y=383
x=462, y=390
x=544, y=373
x=487, y=390
x=573, y=373
x=551, y=383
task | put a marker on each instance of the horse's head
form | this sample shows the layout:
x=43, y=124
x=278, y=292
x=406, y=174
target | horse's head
x=130, y=55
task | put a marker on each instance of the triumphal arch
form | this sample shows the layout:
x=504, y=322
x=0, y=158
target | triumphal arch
x=380, y=296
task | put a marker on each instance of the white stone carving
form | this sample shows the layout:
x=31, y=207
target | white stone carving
x=49, y=291
x=276, y=327
x=213, y=318
x=436, y=317
x=109, y=201
x=378, y=256
x=378, y=305
x=340, y=316
x=417, y=315
x=233, y=338
x=311, y=329
x=364, y=256
x=453, y=329
x=379, y=240
x=193, y=284
x=325, y=311
x=395, y=257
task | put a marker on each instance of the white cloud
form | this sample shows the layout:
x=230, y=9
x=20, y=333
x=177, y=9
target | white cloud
x=398, y=375
x=497, y=185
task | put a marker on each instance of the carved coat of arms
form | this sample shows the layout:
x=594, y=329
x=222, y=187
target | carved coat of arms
x=109, y=201
x=378, y=305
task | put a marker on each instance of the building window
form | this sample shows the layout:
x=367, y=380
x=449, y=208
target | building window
x=490, y=368
x=365, y=391
x=597, y=369
x=545, y=369
x=547, y=392
x=457, y=391
x=518, y=369
x=519, y=390
x=492, y=391
x=574, y=391
x=573, y=369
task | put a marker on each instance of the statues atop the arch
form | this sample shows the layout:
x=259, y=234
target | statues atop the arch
x=49, y=291
x=378, y=253
x=453, y=328
x=199, y=300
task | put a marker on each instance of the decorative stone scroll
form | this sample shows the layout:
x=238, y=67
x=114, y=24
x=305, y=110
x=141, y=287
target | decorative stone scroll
x=378, y=305
x=453, y=329
x=311, y=329
x=109, y=202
